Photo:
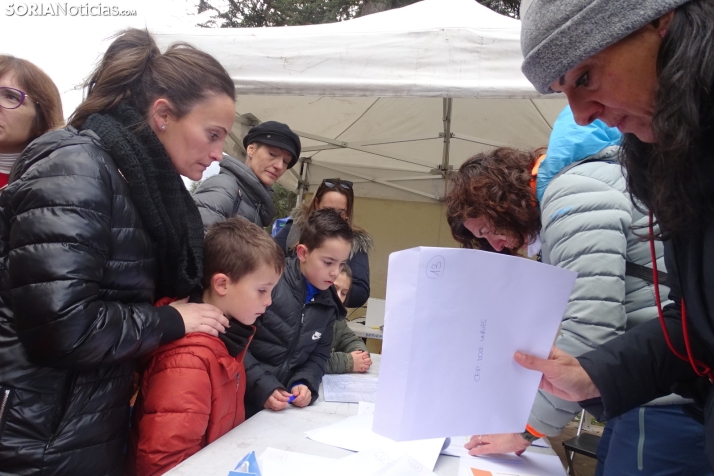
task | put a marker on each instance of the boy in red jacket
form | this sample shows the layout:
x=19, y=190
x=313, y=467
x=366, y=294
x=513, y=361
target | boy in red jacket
x=191, y=390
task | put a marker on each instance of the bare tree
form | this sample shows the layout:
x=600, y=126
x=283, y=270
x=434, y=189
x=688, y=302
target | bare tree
x=256, y=13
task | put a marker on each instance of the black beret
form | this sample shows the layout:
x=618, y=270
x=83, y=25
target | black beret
x=276, y=134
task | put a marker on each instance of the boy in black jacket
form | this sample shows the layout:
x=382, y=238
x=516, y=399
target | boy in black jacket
x=292, y=343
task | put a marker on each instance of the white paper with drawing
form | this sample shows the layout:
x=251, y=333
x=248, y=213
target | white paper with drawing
x=454, y=318
x=349, y=388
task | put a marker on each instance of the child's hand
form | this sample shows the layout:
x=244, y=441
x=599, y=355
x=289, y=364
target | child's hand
x=360, y=361
x=302, y=396
x=204, y=318
x=277, y=401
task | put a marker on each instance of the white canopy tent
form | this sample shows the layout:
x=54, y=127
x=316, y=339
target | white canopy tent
x=391, y=101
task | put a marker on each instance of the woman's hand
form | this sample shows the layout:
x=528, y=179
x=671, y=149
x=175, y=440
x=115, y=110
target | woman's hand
x=360, y=361
x=303, y=396
x=204, y=318
x=504, y=443
x=277, y=401
x=563, y=376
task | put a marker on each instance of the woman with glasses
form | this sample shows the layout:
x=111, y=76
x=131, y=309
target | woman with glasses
x=95, y=226
x=337, y=194
x=245, y=189
x=30, y=105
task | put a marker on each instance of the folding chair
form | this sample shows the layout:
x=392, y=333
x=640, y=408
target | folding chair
x=582, y=443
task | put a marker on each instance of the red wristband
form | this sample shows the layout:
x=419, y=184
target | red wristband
x=530, y=430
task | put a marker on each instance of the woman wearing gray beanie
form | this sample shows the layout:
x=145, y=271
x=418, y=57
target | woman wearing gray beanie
x=646, y=67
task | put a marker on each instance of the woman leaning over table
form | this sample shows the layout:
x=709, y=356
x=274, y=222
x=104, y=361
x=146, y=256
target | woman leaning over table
x=95, y=226
x=648, y=69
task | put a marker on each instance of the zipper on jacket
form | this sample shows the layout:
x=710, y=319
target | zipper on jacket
x=284, y=366
x=4, y=407
x=61, y=408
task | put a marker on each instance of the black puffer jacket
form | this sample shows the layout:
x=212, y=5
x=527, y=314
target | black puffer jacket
x=362, y=244
x=292, y=340
x=638, y=366
x=77, y=283
x=232, y=192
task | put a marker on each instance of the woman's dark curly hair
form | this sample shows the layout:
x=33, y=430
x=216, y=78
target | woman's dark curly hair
x=674, y=177
x=495, y=186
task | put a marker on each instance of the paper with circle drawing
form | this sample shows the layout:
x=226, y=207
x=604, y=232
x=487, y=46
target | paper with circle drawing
x=453, y=320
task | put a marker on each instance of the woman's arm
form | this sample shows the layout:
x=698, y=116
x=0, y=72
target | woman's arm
x=59, y=246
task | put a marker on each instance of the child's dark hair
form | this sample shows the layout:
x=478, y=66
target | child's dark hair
x=237, y=247
x=322, y=225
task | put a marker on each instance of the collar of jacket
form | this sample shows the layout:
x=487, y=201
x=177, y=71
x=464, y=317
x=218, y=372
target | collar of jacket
x=261, y=196
x=297, y=283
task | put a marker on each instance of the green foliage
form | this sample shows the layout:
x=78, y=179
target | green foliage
x=258, y=13
x=194, y=186
x=284, y=201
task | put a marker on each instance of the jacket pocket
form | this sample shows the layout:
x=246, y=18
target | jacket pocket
x=5, y=399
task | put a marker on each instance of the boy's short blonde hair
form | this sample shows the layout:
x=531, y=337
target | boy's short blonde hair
x=237, y=247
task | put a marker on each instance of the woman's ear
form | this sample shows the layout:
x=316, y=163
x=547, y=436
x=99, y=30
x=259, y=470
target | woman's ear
x=219, y=284
x=302, y=252
x=160, y=114
x=249, y=151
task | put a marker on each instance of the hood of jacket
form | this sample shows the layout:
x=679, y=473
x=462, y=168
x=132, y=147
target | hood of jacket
x=362, y=240
x=260, y=195
x=571, y=143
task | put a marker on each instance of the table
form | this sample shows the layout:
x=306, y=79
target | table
x=361, y=330
x=284, y=430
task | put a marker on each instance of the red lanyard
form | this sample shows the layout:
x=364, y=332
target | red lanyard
x=700, y=368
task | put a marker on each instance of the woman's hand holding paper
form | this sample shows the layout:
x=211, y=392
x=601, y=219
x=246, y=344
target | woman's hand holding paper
x=563, y=376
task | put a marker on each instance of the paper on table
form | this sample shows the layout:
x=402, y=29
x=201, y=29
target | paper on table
x=532, y=464
x=349, y=388
x=365, y=408
x=404, y=466
x=274, y=462
x=355, y=433
x=454, y=318
x=456, y=446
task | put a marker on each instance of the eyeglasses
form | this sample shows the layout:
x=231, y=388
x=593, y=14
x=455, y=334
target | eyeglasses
x=11, y=98
x=334, y=182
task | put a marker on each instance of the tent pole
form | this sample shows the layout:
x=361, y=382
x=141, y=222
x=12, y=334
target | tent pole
x=447, y=133
x=303, y=184
x=445, y=167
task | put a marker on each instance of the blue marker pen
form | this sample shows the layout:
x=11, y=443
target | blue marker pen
x=291, y=398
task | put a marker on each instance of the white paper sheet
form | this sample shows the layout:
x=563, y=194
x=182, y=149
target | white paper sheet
x=531, y=464
x=348, y=388
x=456, y=446
x=404, y=466
x=454, y=318
x=274, y=462
x=365, y=408
x=355, y=433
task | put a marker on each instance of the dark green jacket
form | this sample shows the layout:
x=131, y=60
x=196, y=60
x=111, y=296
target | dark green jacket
x=344, y=341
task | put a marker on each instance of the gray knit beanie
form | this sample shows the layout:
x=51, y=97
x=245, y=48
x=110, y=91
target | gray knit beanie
x=556, y=35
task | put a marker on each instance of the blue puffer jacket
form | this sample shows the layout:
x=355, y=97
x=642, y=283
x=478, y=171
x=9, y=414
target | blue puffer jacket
x=589, y=225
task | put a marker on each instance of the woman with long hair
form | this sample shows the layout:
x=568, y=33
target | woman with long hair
x=571, y=204
x=30, y=105
x=648, y=69
x=95, y=226
x=339, y=195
